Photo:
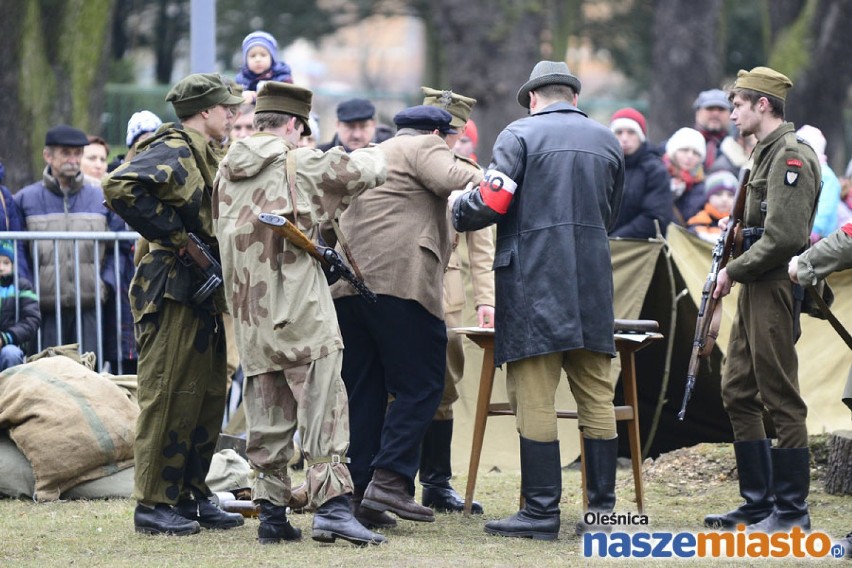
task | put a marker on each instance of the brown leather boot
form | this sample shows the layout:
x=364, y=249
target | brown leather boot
x=368, y=517
x=388, y=491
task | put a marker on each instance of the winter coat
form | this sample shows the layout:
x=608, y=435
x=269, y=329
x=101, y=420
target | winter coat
x=20, y=330
x=44, y=207
x=552, y=266
x=251, y=81
x=647, y=196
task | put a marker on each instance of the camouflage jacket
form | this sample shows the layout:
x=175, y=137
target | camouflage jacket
x=277, y=293
x=164, y=193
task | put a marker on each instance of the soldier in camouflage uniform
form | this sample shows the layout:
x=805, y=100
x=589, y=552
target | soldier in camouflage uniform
x=285, y=323
x=163, y=192
x=761, y=368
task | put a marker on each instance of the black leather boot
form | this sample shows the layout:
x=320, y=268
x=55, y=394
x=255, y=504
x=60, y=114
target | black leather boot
x=754, y=467
x=368, y=517
x=791, y=479
x=162, y=519
x=541, y=486
x=334, y=520
x=436, y=470
x=208, y=514
x=274, y=526
x=601, y=460
x=388, y=491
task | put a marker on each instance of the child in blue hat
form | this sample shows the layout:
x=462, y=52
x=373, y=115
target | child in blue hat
x=16, y=331
x=260, y=64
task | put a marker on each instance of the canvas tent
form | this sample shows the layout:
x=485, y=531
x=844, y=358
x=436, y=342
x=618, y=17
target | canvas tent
x=662, y=280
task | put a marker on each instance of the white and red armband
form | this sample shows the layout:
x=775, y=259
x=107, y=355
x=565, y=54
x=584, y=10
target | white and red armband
x=497, y=190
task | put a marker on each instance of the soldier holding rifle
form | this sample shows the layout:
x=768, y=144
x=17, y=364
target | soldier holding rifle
x=164, y=193
x=762, y=368
x=286, y=330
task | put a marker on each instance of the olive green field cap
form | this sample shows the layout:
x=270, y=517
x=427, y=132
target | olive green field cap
x=199, y=92
x=457, y=105
x=764, y=80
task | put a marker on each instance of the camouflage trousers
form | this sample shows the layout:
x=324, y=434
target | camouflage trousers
x=181, y=392
x=313, y=399
x=455, y=366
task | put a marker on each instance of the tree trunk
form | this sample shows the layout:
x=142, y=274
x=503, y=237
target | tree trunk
x=687, y=59
x=822, y=83
x=838, y=474
x=489, y=50
x=59, y=52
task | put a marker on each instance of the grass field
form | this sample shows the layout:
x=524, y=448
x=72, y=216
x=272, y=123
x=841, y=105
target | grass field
x=680, y=488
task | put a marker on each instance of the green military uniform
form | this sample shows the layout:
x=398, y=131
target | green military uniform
x=782, y=194
x=285, y=322
x=164, y=193
x=831, y=254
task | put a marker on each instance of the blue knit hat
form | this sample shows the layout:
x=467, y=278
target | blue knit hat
x=7, y=249
x=262, y=39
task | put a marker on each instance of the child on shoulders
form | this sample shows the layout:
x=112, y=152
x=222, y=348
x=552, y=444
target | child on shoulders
x=260, y=64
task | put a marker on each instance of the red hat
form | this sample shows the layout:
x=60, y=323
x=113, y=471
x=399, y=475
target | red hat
x=631, y=119
x=471, y=132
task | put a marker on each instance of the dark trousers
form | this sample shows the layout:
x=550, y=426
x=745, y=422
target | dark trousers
x=68, y=329
x=393, y=347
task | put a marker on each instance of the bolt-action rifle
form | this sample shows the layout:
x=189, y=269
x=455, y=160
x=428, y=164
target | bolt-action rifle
x=710, y=309
x=328, y=258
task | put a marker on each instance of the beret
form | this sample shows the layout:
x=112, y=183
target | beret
x=424, y=117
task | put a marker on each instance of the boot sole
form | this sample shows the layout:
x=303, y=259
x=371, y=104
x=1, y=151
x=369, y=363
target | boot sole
x=153, y=531
x=402, y=514
x=523, y=534
x=320, y=535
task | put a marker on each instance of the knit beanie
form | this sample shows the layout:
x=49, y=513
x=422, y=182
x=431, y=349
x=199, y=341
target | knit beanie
x=629, y=119
x=6, y=249
x=140, y=123
x=262, y=39
x=720, y=181
x=813, y=136
x=687, y=138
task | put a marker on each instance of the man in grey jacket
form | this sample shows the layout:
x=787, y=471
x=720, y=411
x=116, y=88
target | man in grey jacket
x=553, y=188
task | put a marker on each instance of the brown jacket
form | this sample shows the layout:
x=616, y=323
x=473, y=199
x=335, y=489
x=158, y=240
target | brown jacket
x=398, y=232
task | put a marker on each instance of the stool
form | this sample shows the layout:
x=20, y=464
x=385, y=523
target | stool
x=630, y=337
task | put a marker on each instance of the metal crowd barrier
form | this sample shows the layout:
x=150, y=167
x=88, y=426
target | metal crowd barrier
x=35, y=239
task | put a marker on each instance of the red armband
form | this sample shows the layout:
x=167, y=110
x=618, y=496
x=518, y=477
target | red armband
x=497, y=190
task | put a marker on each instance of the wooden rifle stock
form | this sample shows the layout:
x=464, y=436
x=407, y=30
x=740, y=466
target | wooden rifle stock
x=328, y=257
x=710, y=309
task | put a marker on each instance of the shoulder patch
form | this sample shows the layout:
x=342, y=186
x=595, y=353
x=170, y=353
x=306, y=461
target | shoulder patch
x=794, y=162
x=792, y=178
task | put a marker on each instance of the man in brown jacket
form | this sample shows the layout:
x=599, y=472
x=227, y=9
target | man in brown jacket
x=399, y=236
x=435, y=456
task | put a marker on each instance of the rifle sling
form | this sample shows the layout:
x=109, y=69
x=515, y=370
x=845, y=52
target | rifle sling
x=832, y=319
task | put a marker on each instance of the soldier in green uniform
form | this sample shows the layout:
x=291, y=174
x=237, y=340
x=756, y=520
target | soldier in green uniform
x=164, y=193
x=285, y=324
x=762, y=367
x=831, y=254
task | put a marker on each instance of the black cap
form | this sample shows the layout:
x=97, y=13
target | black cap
x=425, y=117
x=64, y=135
x=355, y=110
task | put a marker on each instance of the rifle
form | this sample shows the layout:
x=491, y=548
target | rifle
x=710, y=309
x=328, y=258
x=198, y=256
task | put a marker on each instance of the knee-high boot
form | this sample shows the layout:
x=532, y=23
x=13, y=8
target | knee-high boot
x=541, y=486
x=791, y=482
x=436, y=470
x=601, y=458
x=754, y=467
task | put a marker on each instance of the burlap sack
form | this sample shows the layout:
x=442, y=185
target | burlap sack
x=72, y=424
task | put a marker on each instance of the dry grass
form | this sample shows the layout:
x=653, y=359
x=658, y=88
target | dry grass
x=681, y=488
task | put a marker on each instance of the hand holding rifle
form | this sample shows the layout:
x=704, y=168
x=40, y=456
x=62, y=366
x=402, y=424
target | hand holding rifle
x=717, y=286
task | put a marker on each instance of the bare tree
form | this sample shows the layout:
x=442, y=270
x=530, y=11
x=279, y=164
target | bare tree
x=687, y=59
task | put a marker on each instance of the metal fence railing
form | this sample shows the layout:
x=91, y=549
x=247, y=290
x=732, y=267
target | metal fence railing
x=112, y=241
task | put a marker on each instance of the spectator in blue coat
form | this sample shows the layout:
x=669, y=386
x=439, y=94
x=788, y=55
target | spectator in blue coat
x=19, y=313
x=11, y=220
x=826, y=220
